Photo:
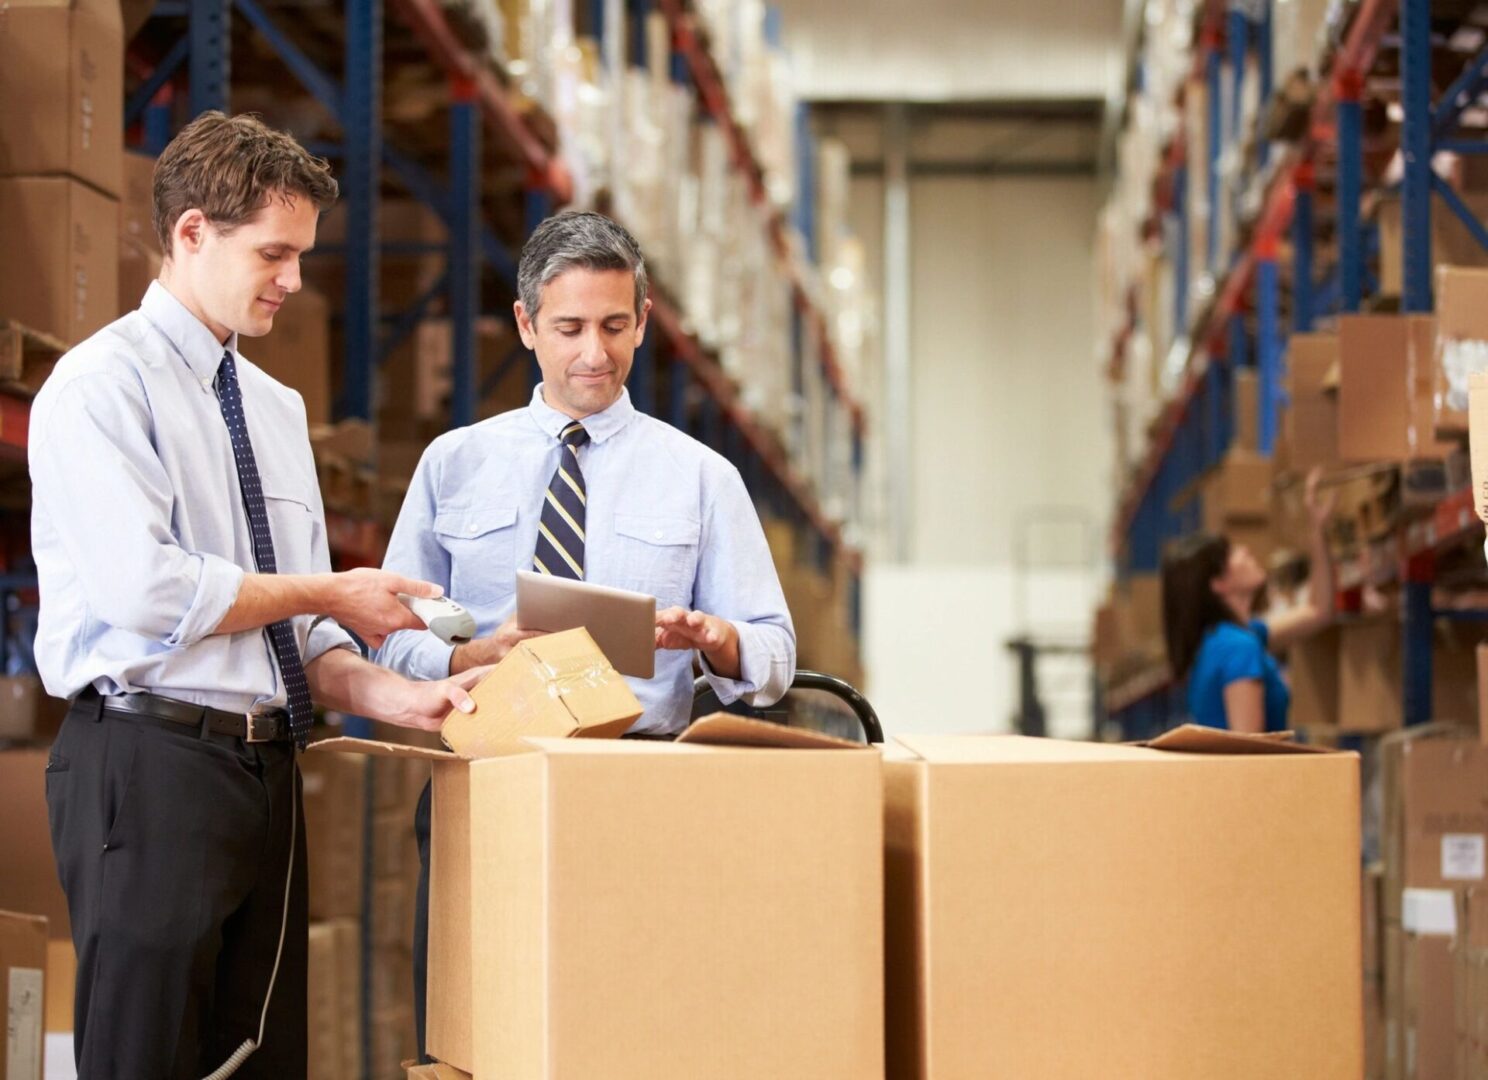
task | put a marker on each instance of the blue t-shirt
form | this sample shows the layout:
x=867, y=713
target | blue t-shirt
x=1231, y=652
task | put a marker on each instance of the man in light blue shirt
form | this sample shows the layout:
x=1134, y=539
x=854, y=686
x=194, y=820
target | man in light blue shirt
x=580, y=484
x=188, y=610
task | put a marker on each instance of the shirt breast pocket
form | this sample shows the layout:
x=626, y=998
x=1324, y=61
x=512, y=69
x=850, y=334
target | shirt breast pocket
x=481, y=542
x=292, y=524
x=658, y=555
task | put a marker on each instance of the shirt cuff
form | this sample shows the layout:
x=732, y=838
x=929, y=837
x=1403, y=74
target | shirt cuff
x=217, y=585
x=762, y=674
x=326, y=634
x=416, y=655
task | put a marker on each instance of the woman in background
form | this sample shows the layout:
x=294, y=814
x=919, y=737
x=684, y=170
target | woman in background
x=1211, y=591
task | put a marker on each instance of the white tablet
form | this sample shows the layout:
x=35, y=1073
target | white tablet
x=622, y=623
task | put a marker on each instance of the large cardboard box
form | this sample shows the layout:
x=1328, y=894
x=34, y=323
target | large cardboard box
x=1428, y=1026
x=29, y=882
x=1461, y=341
x=324, y=998
x=652, y=909
x=348, y=936
x=1238, y=489
x=1386, y=388
x=62, y=81
x=1246, y=390
x=1020, y=871
x=1435, y=788
x=1372, y=664
x=1483, y=694
x=335, y=793
x=1310, y=421
x=297, y=351
x=1313, y=666
x=1451, y=242
x=66, y=236
x=23, y=954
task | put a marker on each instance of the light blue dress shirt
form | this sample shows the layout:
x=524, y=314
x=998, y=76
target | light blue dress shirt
x=137, y=523
x=666, y=516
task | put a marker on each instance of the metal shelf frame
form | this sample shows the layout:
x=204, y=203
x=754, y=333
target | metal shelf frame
x=1145, y=520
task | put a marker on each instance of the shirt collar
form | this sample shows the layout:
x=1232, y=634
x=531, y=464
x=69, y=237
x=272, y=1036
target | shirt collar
x=187, y=334
x=599, y=426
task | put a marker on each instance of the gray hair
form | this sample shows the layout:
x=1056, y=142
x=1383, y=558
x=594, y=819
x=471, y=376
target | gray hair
x=577, y=239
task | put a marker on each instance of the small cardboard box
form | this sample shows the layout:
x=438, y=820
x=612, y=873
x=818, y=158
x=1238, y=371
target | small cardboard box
x=297, y=351
x=335, y=797
x=29, y=882
x=66, y=236
x=1386, y=389
x=630, y=910
x=1310, y=421
x=1019, y=874
x=62, y=81
x=23, y=955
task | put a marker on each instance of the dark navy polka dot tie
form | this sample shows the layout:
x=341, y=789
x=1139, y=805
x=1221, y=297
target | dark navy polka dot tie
x=281, y=634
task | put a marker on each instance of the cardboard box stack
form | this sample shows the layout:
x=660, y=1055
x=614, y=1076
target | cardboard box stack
x=1470, y=976
x=61, y=141
x=1019, y=872
x=335, y=818
x=560, y=929
x=139, y=246
x=396, y=786
x=1386, y=389
x=23, y=973
x=1435, y=832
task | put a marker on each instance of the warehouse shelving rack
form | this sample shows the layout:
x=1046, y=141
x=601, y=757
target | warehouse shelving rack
x=481, y=105
x=1193, y=430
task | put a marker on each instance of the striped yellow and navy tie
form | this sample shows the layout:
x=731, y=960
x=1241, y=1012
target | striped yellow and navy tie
x=560, y=526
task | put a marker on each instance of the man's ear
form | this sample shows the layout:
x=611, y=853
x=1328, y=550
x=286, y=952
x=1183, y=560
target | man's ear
x=526, y=329
x=189, y=231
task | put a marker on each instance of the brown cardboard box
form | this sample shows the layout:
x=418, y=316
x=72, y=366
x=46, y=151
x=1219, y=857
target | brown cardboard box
x=437, y=1071
x=392, y=979
x=23, y=954
x=1011, y=951
x=1429, y=1023
x=1310, y=421
x=335, y=809
x=1483, y=694
x=27, y=711
x=1313, y=667
x=392, y=912
x=1238, y=489
x=1435, y=828
x=138, y=266
x=1461, y=341
x=558, y=685
x=1140, y=606
x=1451, y=243
x=1392, y=939
x=348, y=935
x=137, y=202
x=66, y=235
x=1372, y=693
x=1386, y=388
x=324, y=998
x=62, y=80
x=29, y=882
x=61, y=984
x=393, y=1042
x=297, y=351
x=394, y=845
x=559, y=929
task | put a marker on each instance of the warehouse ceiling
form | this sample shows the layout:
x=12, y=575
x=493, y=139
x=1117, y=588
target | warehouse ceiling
x=955, y=50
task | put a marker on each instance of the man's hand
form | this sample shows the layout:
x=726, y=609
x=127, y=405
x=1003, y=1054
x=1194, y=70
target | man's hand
x=366, y=602
x=717, y=639
x=483, y=652
x=424, y=705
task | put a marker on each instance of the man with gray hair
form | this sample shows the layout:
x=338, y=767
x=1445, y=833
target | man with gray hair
x=580, y=485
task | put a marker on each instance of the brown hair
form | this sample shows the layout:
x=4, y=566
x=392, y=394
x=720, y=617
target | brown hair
x=229, y=167
x=1190, y=604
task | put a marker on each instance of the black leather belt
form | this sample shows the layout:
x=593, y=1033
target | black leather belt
x=271, y=725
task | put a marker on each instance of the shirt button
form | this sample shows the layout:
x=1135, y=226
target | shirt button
x=658, y=534
x=474, y=529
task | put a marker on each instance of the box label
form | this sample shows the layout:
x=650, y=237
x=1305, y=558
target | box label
x=23, y=1023
x=1462, y=856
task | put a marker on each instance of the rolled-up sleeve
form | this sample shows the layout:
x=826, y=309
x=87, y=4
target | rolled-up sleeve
x=737, y=581
x=95, y=471
x=414, y=551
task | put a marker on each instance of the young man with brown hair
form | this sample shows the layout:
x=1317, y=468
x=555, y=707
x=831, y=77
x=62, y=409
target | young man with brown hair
x=188, y=611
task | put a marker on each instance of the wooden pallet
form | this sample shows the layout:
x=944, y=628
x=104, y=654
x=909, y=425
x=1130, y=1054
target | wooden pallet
x=27, y=357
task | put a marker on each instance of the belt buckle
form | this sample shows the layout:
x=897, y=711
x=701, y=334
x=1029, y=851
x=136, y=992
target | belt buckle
x=260, y=727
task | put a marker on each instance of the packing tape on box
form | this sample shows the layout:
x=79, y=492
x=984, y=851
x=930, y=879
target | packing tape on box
x=584, y=673
x=1429, y=911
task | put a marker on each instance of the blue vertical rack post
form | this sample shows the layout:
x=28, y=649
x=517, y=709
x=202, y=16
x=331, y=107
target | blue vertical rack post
x=210, y=60
x=1302, y=249
x=464, y=261
x=1268, y=343
x=1350, y=86
x=362, y=166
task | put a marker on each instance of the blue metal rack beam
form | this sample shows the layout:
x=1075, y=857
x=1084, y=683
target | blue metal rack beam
x=464, y=265
x=1415, y=148
x=210, y=34
x=361, y=119
x=170, y=63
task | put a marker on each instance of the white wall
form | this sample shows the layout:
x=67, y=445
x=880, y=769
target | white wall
x=1011, y=451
